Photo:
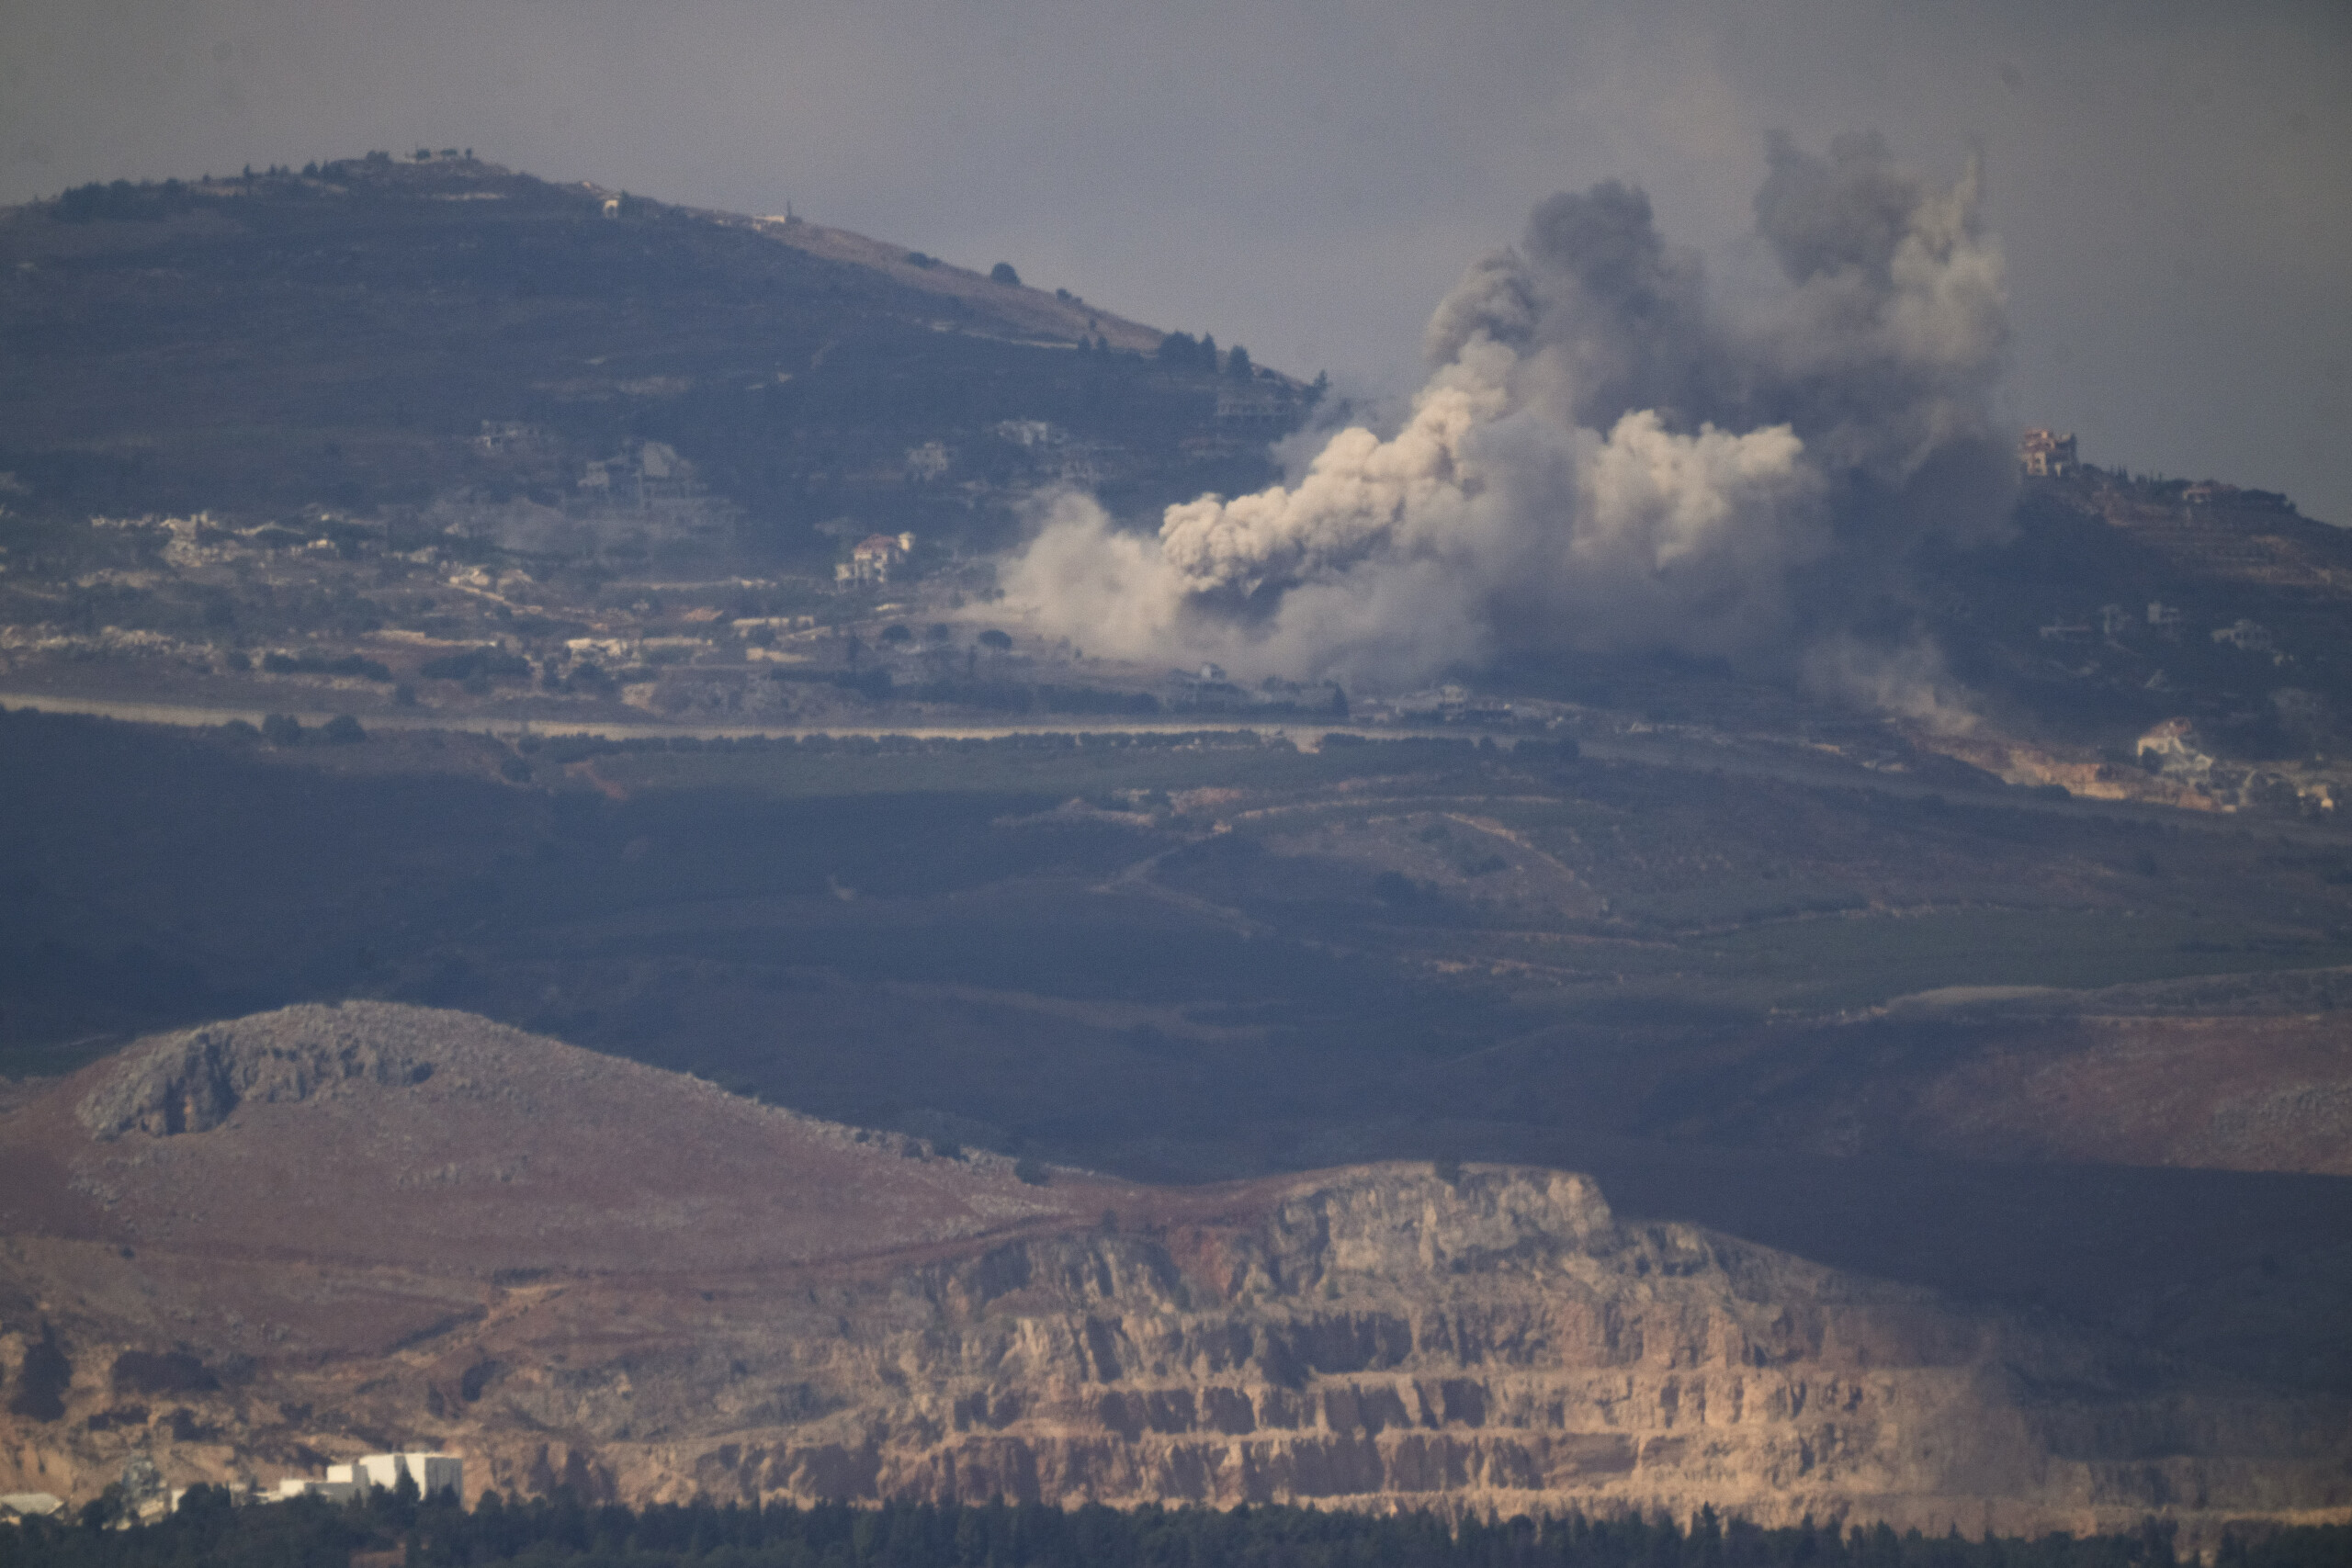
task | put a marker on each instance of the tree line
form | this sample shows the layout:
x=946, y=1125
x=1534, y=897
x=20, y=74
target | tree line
x=1183, y=351
x=565, y=1529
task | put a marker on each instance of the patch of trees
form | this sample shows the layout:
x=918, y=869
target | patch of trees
x=1183, y=352
x=564, y=1528
x=1409, y=748
x=120, y=202
x=1009, y=696
x=160, y=1372
x=284, y=730
x=487, y=662
x=309, y=663
x=41, y=1381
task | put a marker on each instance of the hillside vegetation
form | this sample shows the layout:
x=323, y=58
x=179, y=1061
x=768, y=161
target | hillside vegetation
x=375, y=336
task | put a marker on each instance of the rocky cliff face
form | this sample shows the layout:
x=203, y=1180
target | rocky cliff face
x=1381, y=1338
x=192, y=1082
x=1377, y=1337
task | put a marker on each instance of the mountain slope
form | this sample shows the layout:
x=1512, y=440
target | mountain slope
x=264, y=1244
x=380, y=335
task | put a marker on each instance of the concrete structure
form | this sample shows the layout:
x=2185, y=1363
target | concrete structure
x=2251, y=636
x=874, y=557
x=431, y=1471
x=29, y=1504
x=2046, y=454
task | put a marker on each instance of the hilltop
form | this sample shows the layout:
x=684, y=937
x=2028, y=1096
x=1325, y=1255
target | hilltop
x=534, y=452
x=374, y=337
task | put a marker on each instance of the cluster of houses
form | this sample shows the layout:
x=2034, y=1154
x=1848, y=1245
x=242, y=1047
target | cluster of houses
x=145, y=1498
x=876, y=555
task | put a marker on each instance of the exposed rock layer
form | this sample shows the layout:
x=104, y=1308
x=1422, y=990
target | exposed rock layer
x=773, y=1308
x=190, y=1083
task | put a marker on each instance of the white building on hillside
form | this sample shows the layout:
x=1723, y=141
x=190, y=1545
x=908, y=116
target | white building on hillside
x=17, y=1506
x=432, y=1472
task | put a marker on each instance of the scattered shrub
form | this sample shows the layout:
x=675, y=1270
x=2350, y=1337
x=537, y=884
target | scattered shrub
x=489, y=663
x=42, y=1380
x=160, y=1372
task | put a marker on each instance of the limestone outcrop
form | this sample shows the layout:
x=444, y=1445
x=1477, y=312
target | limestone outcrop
x=584, y=1272
x=191, y=1082
x=1384, y=1338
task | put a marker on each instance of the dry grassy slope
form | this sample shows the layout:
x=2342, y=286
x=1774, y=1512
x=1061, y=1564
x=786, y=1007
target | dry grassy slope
x=1049, y=316
x=2225, y=1073
x=375, y=1224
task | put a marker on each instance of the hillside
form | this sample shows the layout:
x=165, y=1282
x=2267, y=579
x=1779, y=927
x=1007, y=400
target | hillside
x=266, y=1242
x=426, y=588
x=308, y=441
x=2121, y=604
x=375, y=338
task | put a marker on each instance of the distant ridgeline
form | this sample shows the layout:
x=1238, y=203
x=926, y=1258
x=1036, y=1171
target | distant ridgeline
x=394, y=337
x=997, y=1535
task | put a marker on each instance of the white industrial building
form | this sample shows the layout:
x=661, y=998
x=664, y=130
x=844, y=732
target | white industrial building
x=432, y=1472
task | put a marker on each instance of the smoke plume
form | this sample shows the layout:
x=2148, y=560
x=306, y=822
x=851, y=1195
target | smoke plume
x=1605, y=459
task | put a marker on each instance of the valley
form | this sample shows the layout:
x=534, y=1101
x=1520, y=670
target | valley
x=553, y=904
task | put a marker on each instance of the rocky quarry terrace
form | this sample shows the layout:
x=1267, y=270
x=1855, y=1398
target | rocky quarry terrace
x=258, y=1244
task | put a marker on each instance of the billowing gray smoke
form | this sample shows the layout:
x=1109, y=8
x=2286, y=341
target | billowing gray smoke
x=1603, y=458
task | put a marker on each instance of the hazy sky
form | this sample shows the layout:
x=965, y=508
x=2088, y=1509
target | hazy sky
x=2173, y=182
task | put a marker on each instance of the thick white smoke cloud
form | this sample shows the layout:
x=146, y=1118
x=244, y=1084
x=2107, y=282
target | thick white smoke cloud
x=1604, y=459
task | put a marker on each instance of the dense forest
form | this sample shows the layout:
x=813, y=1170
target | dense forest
x=563, y=1529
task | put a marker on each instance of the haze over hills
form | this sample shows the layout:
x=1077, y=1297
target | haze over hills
x=580, y=1271
x=467, y=604
x=454, y=404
